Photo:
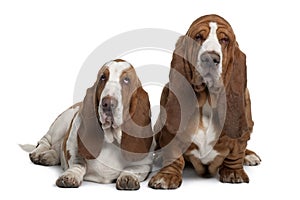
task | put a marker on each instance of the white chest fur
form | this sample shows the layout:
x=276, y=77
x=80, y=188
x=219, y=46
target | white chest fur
x=110, y=163
x=107, y=166
x=206, y=137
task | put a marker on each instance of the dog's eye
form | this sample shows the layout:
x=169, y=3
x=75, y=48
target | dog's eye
x=198, y=37
x=103, y=77
x=224, y=40
x=126, y=80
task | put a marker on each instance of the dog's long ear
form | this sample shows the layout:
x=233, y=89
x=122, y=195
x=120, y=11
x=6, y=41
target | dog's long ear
x=180, y=62
x=181, y=97
x=236, y=123
x=90, y=133
x=137, y=135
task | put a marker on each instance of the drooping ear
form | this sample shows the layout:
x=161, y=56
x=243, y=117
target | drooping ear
x=179, y=60
x=235, y=123
x=90, y=133
x=137, y=135
x=181, y=97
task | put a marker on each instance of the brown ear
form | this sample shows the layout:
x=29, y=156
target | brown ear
x=179, y=102
x=137, y=135
x=235, y=123
x=180, y=62
x=181, y=97
x=90, y=133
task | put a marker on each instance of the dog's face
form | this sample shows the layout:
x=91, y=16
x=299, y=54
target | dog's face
x=214, y=38
x=117, y=82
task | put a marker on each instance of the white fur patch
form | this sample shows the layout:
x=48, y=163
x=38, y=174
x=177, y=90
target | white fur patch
x=111, y=163
x=205, y=139
x=251, y=160
x=60, y=126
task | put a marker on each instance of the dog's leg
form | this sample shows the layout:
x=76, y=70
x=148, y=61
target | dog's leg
x=199, y=168
x=43, y=154
x=169, y=177
x=131, y=177
x=73, y=176
x=232, y=170
x=48, y=148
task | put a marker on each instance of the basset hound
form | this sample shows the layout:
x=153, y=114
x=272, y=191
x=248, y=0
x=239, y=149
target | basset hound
x=107, y=137
x=206, y=118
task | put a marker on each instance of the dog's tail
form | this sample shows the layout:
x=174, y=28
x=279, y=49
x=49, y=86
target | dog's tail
x=27, y=147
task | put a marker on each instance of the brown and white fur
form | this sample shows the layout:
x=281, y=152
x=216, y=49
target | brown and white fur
x=106, y=137
x=207, y=119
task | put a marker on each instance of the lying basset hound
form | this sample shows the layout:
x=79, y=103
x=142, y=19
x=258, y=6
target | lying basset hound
x=207, y=112
x=106, y=137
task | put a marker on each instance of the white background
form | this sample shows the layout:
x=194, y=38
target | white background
x=44, y=44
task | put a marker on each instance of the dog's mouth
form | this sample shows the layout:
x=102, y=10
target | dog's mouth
x=108, y=117
x=209, y=79
x=107, y=120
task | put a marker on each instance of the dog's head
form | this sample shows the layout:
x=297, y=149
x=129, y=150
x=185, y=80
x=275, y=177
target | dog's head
x=115, y=108
x=209, y=52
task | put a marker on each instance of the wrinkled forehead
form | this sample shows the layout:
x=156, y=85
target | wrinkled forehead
x=206, y=23
x=117, y=68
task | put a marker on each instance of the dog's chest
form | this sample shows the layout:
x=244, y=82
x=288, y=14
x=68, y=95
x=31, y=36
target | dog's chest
x=205, y=136
x=107, y=166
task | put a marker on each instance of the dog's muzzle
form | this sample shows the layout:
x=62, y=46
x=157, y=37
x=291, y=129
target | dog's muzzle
x=108, y=106
x=210, y=59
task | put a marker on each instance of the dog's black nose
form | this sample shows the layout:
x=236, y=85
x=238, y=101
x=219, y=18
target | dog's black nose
x=108, y=104
x=210, y=58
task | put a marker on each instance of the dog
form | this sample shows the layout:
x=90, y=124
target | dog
x=206, y=117
x=105, y=138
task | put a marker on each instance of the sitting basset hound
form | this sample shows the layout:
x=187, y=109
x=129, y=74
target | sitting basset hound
x=106, y=137
x=206, y=118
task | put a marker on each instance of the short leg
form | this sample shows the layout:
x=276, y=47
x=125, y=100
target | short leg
x=232, y=170
x=131, y=177
x=48, y=148
x=169, y=177
x=212, y=168
x=251, y=158
x=43, y=154
x=199, y=168
x=72, y=177
x=219, y=159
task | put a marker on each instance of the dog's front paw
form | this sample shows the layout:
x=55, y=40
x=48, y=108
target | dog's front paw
x=233, y=176
x=165, y=181
x=68, y=181
x=127, y=182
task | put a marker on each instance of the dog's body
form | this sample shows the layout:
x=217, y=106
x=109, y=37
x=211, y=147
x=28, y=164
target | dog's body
x=106, y=137
x=207, y=119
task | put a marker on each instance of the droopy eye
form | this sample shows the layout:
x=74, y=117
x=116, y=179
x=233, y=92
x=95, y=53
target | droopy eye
x=224, y=40
x=126, y=80
x=198, y=37
x=103, y=77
